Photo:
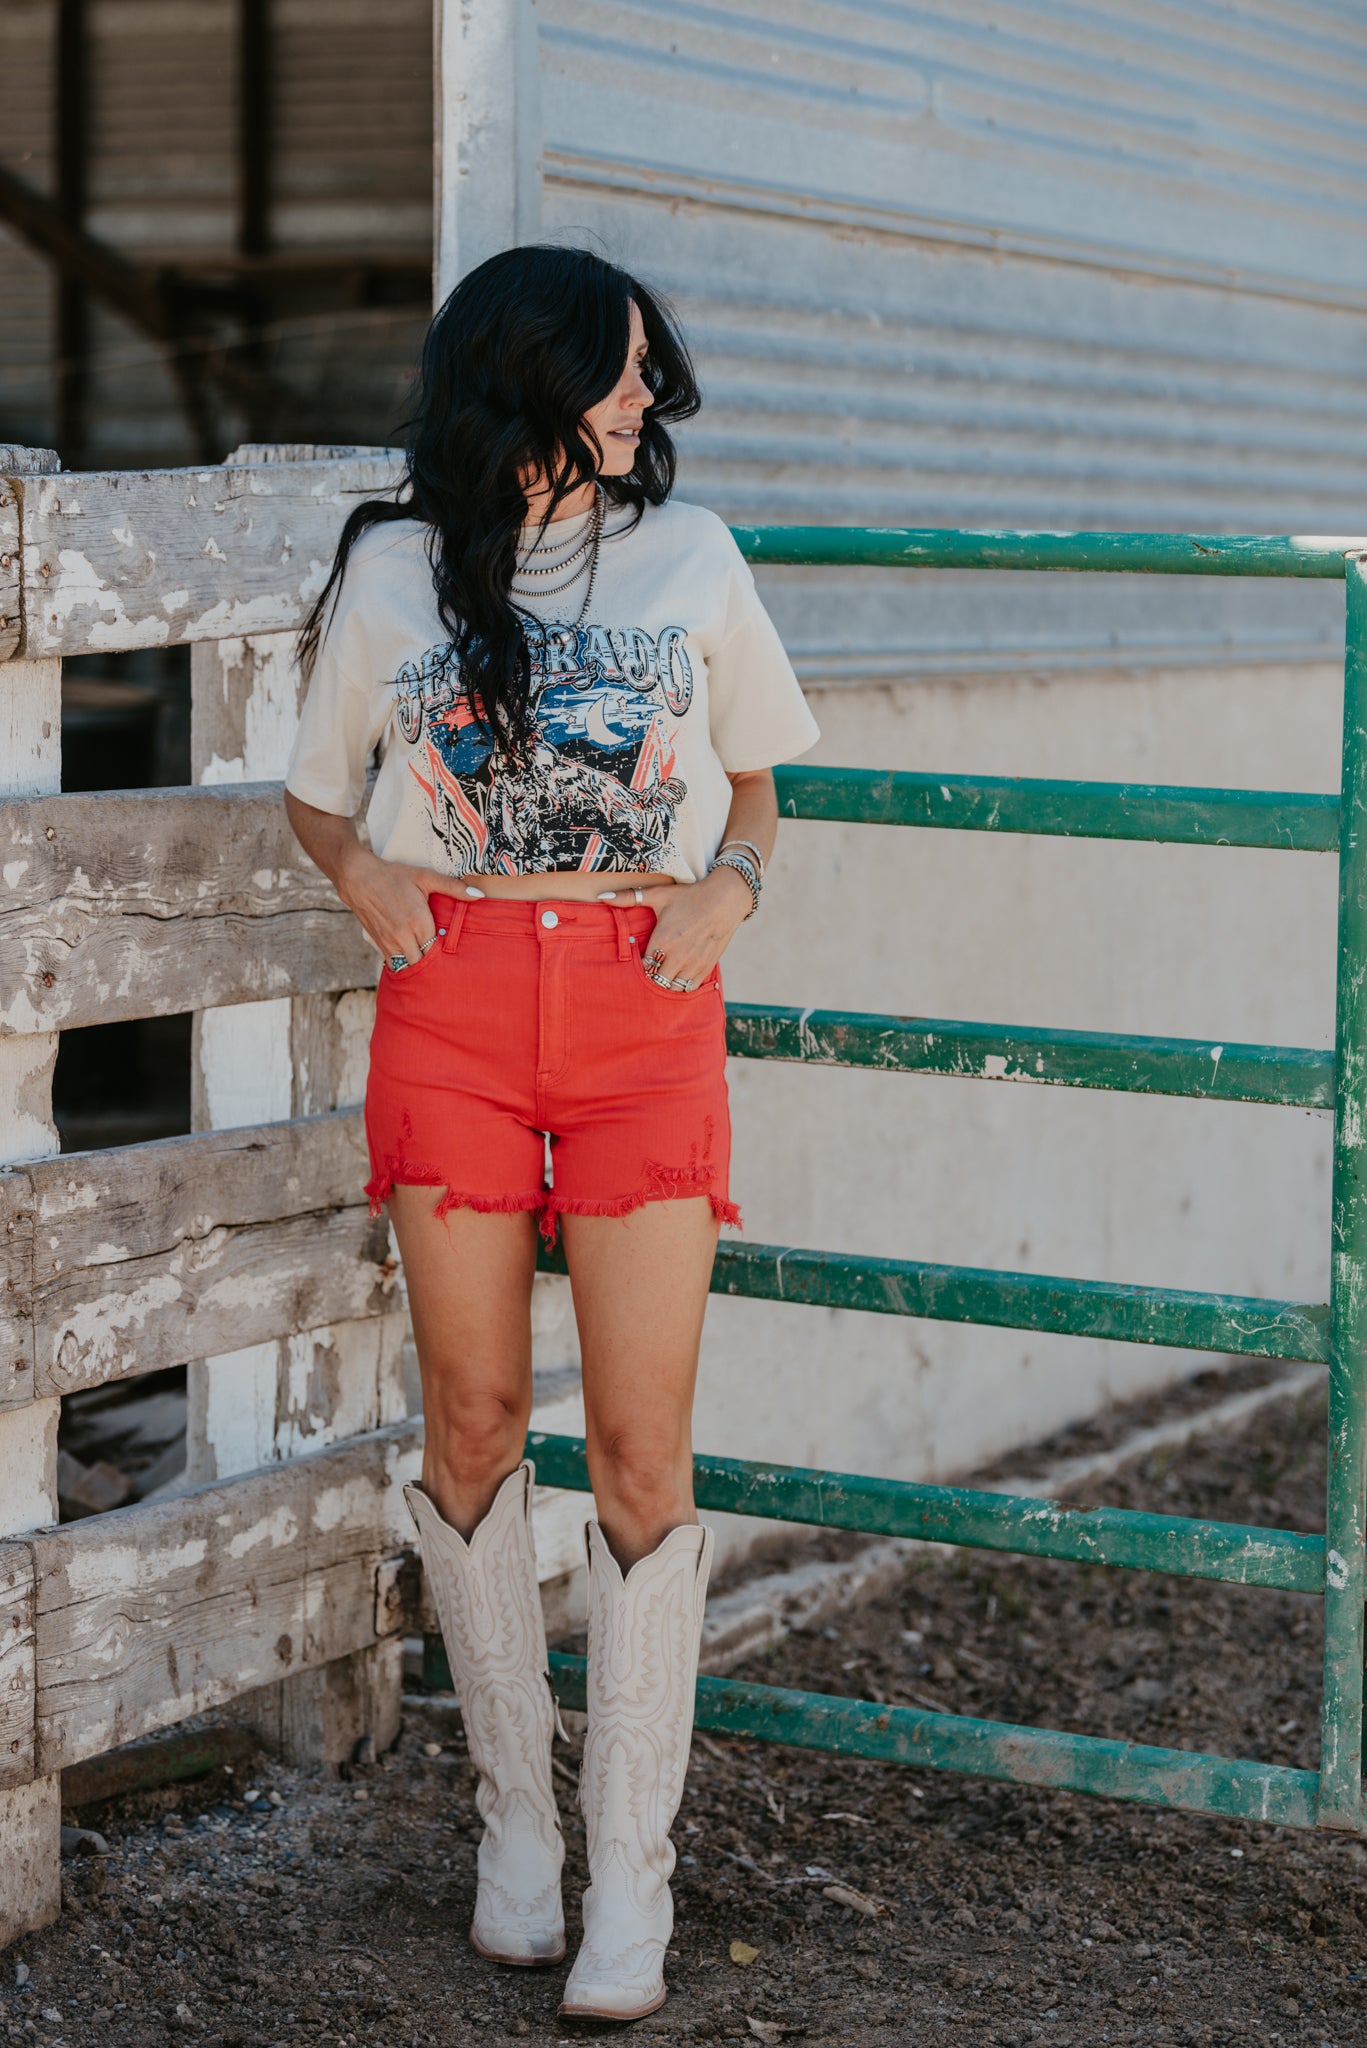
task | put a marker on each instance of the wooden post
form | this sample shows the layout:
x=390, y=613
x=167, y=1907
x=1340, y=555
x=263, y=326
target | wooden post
x=488, y=133
x=256, y=1062
x=30, y=765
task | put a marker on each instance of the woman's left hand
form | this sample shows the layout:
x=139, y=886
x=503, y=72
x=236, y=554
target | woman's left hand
x=695, y=922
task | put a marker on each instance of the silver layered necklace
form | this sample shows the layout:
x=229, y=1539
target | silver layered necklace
x=566, y=561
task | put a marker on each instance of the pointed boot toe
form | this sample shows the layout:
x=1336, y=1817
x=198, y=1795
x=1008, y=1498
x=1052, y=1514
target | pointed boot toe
x=524, y=1949
x=608, y=2001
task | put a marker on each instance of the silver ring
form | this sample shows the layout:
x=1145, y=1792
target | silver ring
x=675, y=982
x=427, y=944
x=640, y=895
x=397, y=961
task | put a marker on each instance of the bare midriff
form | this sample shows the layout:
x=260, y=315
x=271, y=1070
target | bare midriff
x=571, y=884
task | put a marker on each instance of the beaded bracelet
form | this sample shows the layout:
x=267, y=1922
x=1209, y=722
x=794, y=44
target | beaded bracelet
x=751, y=848
x=746, y=870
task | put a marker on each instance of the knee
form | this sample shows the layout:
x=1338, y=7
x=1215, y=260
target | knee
x=475, y=1439
x=647, y=1474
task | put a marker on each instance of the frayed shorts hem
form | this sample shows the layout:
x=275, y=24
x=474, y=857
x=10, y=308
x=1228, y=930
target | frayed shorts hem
x=664, y=1184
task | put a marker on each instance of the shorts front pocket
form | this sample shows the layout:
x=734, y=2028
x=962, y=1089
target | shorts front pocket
x=709, y=983
x=397, y=975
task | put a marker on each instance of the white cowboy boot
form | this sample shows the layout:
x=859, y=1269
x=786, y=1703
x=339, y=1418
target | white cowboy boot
x=644, y=1632
x=487, y=1598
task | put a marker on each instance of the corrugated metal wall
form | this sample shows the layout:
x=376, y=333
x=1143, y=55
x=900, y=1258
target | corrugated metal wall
x=352, y=171
x=1066, y=265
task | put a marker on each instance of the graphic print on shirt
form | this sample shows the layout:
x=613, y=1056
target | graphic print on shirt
x=596, y=788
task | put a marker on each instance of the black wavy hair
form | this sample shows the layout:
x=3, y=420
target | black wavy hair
x=520, y=351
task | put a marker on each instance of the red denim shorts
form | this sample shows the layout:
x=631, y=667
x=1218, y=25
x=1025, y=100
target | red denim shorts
x=529, y=1020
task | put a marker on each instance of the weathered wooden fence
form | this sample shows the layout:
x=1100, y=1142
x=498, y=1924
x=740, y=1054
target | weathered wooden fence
x=245, y=1252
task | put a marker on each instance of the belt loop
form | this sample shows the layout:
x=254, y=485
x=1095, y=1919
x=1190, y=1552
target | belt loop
x=453, y=927
x=623, y=935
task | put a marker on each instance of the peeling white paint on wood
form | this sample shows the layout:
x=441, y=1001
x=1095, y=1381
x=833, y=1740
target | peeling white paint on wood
x=26, y=1065
x=160, y=1193
x=254, y=711
x=146, y=558
x=110, y=1322
x=171, y=1609
x=31, y=1867
x=16, y=1287
x=30, y=765
x=11, y=605
x=245, y=1056
x=143, y=903
x=126, y=1260
x=232, y=1411
x=18, y=1675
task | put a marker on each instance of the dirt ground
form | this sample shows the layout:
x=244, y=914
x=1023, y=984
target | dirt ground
x=334, y=1911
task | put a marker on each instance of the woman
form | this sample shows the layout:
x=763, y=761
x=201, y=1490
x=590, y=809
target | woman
x=580, y=698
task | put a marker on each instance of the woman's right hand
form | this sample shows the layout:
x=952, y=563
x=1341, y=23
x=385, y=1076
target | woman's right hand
x=390, y=900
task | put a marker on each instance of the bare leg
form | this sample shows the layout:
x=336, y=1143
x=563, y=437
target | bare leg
x=640, y=1290
x=469, y=1282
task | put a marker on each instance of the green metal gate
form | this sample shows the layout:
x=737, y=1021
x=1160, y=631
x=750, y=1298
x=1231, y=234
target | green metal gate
x=1331, y=1565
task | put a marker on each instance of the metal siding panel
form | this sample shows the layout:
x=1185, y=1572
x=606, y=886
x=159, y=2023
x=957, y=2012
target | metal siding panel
x=26, y=298
x=1104, y=143
x=1066, y=266
x=162, y=124
x=353, y=89
x=354, y=170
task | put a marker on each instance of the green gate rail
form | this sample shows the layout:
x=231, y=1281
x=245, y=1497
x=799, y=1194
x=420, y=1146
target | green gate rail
x=1331, y=1565
x=1249, y=1326
x=993, y=1749
x=1290, y=1074
x=1244, y=1556
x=1244, y=1324
x=1062, y=810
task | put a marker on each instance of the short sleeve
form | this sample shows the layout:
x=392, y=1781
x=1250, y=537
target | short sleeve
x=758, y=714
x=343, y=715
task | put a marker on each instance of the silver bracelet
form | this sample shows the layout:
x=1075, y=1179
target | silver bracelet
x=750, y=847
x=746, y=870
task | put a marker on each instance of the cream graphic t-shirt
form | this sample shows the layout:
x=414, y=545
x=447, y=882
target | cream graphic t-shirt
x=675, y=677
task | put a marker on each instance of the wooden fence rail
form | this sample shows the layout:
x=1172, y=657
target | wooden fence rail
x=101, y=562
x=144, y=903
x=115, y=1626
x=143, y=1256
